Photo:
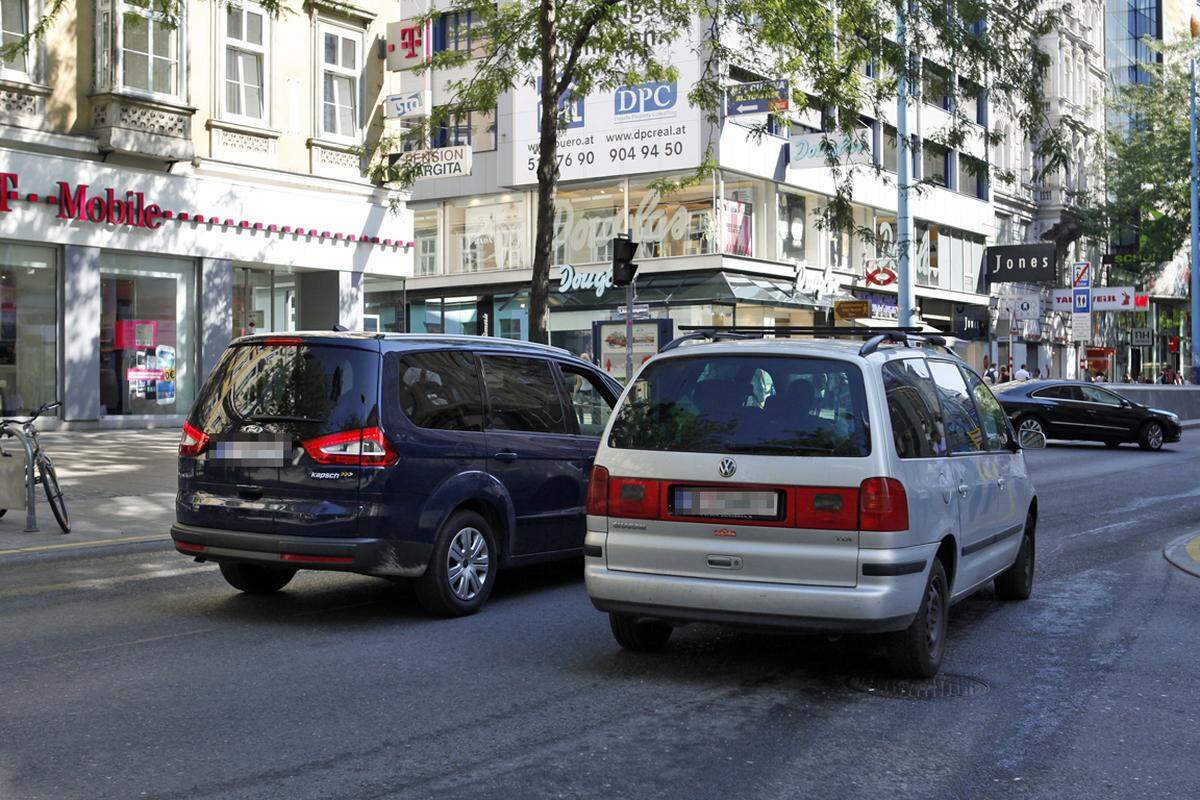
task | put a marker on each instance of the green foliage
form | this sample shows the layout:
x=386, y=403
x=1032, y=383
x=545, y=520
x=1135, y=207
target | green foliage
x=1146, y=190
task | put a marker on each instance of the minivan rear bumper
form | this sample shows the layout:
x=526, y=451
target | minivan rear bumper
x=878, y=603
x=370, y=556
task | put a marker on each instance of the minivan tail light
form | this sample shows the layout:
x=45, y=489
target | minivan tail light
x=634, y=498
x=193, y=441
x=366, y=447
x=597, y=496
x=882, y=505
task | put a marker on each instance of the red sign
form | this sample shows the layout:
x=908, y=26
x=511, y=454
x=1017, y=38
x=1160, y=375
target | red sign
x=1173, y=344
x=881, y=276
x=1141, y=301
x=408, y=44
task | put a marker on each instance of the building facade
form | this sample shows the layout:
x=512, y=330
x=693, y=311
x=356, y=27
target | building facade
x=746, y=246
x=169, y=185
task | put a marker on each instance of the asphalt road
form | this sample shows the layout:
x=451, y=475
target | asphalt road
x=134, y=673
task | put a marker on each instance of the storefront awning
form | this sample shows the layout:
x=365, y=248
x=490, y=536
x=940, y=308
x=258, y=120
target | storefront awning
x=691, y=289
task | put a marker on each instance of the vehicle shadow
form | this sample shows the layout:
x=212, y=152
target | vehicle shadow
x=349, y=600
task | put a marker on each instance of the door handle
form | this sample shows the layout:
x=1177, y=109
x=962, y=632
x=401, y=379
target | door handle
x=962, y=490
x=506, y=457
x=1001, y=483
x=724, y=562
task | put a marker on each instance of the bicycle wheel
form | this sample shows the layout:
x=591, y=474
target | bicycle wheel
x=49, y=481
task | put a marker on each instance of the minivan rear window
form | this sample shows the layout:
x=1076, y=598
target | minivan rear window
x=751, y=405
x=298, y=388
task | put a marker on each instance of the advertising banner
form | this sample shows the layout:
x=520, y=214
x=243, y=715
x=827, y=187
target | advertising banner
x=647, y=339
x=649, y=127
x=1027, y=263
x=807, y=149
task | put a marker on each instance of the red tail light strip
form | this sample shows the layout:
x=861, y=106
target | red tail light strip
x=879, y=504
x=367, y=447
x=193, y=441
x=307, y=559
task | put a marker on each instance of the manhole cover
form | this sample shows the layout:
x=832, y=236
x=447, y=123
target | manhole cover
x=935, y=688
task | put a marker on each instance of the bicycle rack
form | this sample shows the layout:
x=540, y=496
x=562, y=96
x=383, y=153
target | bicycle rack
x=30, y=494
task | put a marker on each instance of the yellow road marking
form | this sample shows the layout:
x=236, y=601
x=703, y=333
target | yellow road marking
x=1193, y=549
x=41, y=548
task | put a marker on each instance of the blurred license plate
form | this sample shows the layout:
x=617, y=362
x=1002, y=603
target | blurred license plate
x=262, y=454
x=689, y=502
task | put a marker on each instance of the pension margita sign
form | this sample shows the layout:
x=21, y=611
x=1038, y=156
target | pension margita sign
x=76, y=202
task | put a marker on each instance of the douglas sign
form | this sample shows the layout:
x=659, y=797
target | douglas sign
x=1027, y=263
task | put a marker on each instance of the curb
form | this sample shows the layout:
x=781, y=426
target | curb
x=1184, y=553
x=68, y=548
x=1189, y=423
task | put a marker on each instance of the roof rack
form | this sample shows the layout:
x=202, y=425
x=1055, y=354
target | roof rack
x=906, y=336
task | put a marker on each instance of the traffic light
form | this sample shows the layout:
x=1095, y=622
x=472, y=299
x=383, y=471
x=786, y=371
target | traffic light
x=624, y=249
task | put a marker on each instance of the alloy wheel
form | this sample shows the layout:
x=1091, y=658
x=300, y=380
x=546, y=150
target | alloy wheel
x=934, y=612
x=1154, y=435
x=1032, y=426
x=467, y=563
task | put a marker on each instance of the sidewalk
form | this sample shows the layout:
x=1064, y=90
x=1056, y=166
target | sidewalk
x=119, y=485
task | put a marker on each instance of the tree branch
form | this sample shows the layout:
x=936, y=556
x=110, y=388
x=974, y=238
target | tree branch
x=593, y=17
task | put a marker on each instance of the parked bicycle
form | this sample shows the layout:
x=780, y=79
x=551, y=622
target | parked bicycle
x=24, y=430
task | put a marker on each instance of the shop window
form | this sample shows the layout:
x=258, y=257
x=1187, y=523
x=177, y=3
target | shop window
x=486, y=233
x=14, y=25
x=147, y=308
x=340, y=69
x=839, y=248
x=682, y=223
x=28, y=325
x=147, y=49
x=264, y=300
x=425, y=232
x=790, y=227
x=247, y=39
x=741, y=198
x=585, y=221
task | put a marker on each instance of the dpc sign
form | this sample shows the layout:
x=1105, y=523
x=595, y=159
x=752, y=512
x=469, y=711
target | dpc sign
x=1026, y=263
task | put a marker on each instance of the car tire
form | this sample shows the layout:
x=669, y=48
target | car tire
x=1016, y=582
x=1150, y=437
x=916, y=651
x=256, y=578
x=639, y=635
x=462, y=568
x=1031, y=422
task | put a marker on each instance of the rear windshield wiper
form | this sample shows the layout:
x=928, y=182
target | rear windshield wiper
x=281, y=418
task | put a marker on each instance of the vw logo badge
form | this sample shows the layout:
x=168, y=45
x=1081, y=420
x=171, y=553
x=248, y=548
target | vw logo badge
x=727, y=467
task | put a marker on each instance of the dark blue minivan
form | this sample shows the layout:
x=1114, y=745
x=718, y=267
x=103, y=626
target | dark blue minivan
x=433, y=458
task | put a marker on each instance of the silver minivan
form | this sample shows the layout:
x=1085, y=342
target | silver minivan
x=820, y=485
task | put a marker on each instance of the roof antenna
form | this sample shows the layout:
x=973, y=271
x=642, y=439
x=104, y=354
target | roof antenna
x=340, y=328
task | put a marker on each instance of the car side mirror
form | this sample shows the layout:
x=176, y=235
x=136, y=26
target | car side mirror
x=1031, y=440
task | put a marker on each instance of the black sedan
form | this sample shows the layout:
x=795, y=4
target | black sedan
x=1078, y=410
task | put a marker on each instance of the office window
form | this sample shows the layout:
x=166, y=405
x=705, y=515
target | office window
x=14, y=24
x=340, y=67
x=972, y=177
x=474, y=128
x=246, y=43
x=933, y=163
x=935, y=86
x=149, y=50
x=452, y=31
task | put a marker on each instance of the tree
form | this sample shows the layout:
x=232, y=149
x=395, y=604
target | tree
x=1146, y=199
x=843, y=61
x=567, y=49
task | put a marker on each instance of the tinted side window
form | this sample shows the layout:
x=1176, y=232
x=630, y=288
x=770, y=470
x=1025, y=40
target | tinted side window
x=995, y=424
x=441, y=390
x=522, y=395
x=591, y=405
x=913, y=407
x=964, y=430
x=1094, y=395
x=1060, y=393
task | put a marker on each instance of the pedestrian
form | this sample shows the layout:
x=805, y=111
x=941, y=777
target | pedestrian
x=1023, y=374
x=1004, y=376
x=989, y=373
x=1127, y=378
x=1099, y=378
